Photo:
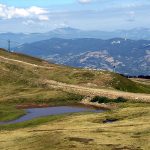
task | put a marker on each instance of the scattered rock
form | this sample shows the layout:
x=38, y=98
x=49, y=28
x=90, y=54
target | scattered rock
x=82, y=140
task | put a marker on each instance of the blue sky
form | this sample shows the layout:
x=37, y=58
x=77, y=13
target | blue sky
x=41, y=3
x=45, y=15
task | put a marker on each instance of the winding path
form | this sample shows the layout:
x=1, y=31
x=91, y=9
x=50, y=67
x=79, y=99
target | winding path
x=25, y=63
x=98, y=92
x=86, y=90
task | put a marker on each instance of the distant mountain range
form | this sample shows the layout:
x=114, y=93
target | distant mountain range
x=128, y=56
x=71, y=33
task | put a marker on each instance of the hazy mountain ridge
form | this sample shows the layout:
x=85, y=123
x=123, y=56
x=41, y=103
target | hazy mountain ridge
x=69, y=33
x=129, y=56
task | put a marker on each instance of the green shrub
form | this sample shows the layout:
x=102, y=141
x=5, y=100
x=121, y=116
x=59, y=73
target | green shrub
x=100, y=99
x=108, y=100
x=120, y=100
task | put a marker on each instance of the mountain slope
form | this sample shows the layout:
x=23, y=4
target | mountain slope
x=21, y=81
x=28, y=79
x=129, y=56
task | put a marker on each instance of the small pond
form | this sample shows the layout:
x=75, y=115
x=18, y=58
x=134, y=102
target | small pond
x=41, y=112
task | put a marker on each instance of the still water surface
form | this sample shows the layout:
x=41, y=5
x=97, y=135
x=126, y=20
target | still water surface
x=41, y=112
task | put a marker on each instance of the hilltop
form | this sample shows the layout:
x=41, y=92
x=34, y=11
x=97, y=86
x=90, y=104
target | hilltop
x=24, y=77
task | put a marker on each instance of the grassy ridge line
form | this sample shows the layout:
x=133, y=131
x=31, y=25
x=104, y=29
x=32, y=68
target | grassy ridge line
x=87, y=78
x=14, y=72
x=98, y=92
x=22, y=57
x=88, y=91
x=26, y=63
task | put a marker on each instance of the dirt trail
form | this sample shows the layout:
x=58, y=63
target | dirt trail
x=99, y=92
x=141, y=81
x=25, y=63
x=86, y=90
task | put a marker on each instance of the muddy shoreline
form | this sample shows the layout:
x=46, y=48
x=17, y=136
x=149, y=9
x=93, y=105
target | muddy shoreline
x=80, y=104
x=87, y=102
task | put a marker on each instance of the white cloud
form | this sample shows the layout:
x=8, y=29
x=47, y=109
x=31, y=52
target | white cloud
x=84, y=1
x=7, y=12
x=28, y=22
x=43, y=17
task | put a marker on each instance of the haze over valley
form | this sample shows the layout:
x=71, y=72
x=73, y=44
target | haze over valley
x=127, y=50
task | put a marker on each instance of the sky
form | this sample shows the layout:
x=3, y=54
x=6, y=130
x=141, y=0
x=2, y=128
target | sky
x=44, y=15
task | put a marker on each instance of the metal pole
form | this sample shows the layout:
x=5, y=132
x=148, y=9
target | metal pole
x=114, y=68
x=9, y=45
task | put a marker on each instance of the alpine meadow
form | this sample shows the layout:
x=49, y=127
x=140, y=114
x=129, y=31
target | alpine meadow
x=74, y=75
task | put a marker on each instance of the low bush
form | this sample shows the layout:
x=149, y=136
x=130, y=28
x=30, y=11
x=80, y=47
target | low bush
x=120, y=100
x=108, y=100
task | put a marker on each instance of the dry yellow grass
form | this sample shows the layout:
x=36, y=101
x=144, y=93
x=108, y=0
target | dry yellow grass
x=98, y=92
x=80, y=131
x=142, y=81
x=85, y=132
x=75, y=80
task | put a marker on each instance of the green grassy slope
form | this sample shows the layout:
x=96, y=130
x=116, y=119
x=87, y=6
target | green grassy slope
x=21, y=57
x=15, y=74
x=22, y=84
